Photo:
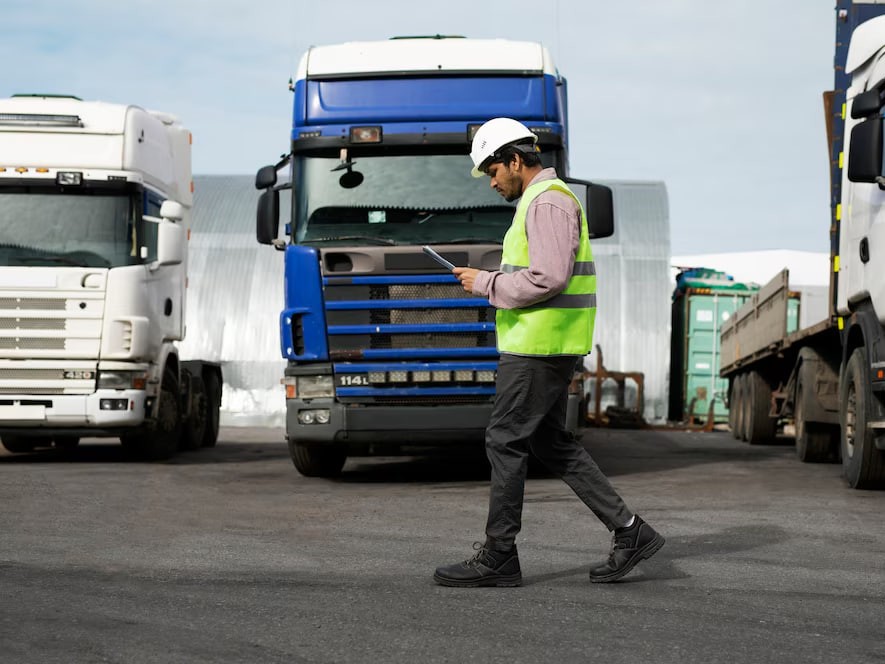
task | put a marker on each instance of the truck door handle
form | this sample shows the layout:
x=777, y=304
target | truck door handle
x=864, y=250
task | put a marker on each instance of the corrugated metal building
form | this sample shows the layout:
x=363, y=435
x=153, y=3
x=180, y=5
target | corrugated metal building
x=235, y=295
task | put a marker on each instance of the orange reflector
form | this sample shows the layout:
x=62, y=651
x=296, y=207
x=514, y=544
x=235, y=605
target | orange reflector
x=42, y=170
x=290, y=391
x=21, y=169
x=2, y=169
x=192, y=186
x=188, y=234
x=880, y=374
x=139, y=383
x=190, y=138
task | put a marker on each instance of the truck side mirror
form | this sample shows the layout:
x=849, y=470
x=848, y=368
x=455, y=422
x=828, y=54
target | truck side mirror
x=865, y=151
x=866, y=104
x=266, y=177
x=172, y=210
x=598, y=204
x=267, y=222
x=170, y=243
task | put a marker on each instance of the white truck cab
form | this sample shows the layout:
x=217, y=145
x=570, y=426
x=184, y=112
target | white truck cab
x=95, y=210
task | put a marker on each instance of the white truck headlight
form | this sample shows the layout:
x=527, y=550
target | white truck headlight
x=122, y=380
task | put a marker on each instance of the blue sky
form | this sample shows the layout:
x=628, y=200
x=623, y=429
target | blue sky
x=721, y=101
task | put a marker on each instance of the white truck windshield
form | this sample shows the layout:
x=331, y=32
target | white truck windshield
x=409, y=199
x=49, y=229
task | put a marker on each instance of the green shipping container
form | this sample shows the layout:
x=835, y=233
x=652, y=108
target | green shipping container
x=703, y=300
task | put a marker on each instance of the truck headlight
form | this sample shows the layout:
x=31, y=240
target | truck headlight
x=313, y=387
x=122, y=380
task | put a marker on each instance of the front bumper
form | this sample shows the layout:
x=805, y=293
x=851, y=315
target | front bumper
x=456, y=423
x=72, y=412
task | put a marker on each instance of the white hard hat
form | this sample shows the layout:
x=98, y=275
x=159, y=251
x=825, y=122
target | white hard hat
x=493, y=136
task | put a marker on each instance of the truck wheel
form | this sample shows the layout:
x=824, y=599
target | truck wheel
x=735, y=404
x=194, y=428
x=863, y=465
x=66, y=442
x=743, y=407
x=161, y=441
x=19, y=444
x=212, y=386
x=317, y=460
x=812, y=438
x=760, y=427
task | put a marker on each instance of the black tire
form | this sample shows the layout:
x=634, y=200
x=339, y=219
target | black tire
x=66, y=442
x=862, y=464
x=813, y=439
x=732, y=407
x=19, y=444
x=760, y=427
x=742, y=417
x=212, y=387
x=317, y=460
x=194, y=428
x=160, y=441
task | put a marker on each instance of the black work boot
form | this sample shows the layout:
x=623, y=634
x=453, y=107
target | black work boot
x=488, y=567
x=629, y=546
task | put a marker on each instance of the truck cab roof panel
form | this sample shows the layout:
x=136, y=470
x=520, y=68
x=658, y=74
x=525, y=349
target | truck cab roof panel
x=398, y=57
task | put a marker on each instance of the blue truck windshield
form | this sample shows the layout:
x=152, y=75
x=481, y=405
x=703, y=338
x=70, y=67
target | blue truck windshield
x=54, y=229
x=408, y=199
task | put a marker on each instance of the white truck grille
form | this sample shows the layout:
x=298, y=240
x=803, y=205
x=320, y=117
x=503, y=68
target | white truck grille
x=49, y=344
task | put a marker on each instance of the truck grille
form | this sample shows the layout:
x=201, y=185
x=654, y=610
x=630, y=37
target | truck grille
x=49, y=343
x=409, y=340
x=431, y=317
x=67, y=326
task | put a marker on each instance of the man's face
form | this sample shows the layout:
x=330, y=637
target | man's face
x=505, y=180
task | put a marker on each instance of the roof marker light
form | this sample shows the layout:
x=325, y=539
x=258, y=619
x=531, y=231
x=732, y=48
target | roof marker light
x=69, y=178
x=365, y=134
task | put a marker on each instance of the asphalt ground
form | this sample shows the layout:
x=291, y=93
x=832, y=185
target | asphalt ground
x=229, y=555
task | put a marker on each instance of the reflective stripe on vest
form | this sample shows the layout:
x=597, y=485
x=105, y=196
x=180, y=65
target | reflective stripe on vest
x=562, y=324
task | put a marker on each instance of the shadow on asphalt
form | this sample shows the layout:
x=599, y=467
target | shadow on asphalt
x=616, y=452
x=620, y=453
x=113, y=452
x=664, y=564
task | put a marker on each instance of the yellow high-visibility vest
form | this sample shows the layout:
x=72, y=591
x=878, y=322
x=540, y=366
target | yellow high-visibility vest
x=562, y=324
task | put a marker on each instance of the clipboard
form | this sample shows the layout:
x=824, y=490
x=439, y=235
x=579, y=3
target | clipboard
x=439, y=259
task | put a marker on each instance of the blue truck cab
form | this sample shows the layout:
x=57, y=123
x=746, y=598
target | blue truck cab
x=384, y=348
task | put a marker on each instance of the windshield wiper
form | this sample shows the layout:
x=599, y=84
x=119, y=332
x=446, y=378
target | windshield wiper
x=370, y=238
x=75, y=258
x=50, y=259
x=470, y=240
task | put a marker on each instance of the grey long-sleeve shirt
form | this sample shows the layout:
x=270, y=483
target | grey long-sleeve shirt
x=552, y=227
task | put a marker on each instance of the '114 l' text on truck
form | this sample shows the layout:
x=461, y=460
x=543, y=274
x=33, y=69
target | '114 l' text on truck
x=829, y=377
x=383, y=346
x=95, y=209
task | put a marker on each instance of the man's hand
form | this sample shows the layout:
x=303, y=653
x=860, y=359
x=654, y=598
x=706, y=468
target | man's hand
x=466, y=275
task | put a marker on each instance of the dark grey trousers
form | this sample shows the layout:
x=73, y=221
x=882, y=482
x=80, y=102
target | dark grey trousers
x=530, y=414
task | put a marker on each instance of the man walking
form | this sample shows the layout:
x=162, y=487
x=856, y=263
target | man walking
x=545, y=296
